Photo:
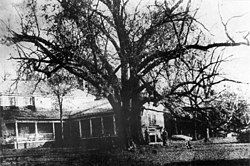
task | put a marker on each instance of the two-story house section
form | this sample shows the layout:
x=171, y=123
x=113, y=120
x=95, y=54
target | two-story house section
x=23, y=95
x=152, y=120
x=27, y=118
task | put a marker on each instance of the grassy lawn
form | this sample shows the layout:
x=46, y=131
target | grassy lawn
x=214, y=152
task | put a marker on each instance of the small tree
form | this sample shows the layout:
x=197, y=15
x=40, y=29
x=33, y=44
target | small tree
x=59, y=85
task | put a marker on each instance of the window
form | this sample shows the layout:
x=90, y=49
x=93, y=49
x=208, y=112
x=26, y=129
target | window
x=28, y=101
x=11, y=130
x=152, y=119
x=108, y=125
x=12, y=101
x=149, y=119
x=45, y=131
x=26, y=128
x=85, y=126
x=44, y=128
x=74, y=128
x=96, y=127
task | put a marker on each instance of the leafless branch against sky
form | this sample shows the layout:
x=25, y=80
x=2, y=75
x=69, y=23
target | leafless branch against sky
x=210, y=14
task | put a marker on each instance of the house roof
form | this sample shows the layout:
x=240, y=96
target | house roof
x=83, y=105
x=77, y=103
x=157, y=108
x=91, y=108
x=97, y=107
x=29, y=114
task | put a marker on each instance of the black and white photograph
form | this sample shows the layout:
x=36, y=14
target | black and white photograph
x=124, y=82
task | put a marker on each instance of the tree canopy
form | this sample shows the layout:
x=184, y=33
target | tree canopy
x=233, y=111
x=122, y=51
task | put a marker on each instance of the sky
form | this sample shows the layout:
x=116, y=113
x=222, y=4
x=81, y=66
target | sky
x=208, y=14
x=238, y=68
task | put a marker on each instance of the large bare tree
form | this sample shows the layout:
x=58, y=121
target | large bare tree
x=117, y=47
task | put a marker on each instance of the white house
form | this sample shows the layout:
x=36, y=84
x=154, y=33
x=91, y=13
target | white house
x=153, y=121
x=31, y=120
x=22, y=95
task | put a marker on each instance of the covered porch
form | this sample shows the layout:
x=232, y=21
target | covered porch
x=20, y=134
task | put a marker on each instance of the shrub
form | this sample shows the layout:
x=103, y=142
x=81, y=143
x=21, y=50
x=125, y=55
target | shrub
x=244, y=137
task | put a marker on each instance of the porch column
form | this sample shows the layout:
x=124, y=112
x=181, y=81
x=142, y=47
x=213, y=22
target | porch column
x=114, y=125
x=102, y=126
x=16, y=128
x=90, y=125
x=80, y=128
x=36, y=131
x=53, y=128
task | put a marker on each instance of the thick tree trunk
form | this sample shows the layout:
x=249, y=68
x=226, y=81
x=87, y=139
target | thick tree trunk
x=120, y=121
x=129, y=125
x=135, y=124
x=126, y=109
x=135, y=112
x=128, y=114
